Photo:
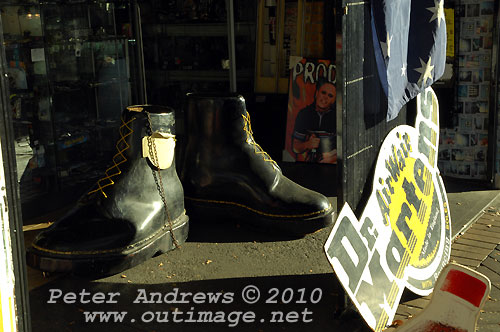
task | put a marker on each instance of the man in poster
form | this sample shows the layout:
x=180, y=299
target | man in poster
x=314, y=135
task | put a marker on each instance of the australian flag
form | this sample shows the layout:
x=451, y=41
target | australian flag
x=410, y=47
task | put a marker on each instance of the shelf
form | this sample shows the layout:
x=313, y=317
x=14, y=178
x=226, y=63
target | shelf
x=74, y=140
x=87, y=39
x=199, y=75
x=22, y=93
x=197, y=29
x=109, y=82
x=443, y=84
x=23, y=122
x=18, y=3
x=64, y=86
x=66, y=2
x=16, y=43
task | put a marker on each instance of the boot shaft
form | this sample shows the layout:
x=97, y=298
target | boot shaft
x=220, y=144
x=217, y=118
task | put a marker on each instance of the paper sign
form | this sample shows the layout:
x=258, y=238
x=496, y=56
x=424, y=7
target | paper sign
x=37, y=54
x=161, y=143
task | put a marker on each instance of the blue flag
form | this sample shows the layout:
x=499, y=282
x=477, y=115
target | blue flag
x=409, y=38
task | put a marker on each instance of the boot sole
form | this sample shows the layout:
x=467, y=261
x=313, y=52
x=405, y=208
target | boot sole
x=290, y=225
x=108, y=264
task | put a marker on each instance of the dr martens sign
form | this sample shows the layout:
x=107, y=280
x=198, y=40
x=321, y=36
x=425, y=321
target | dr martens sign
x=403, y=238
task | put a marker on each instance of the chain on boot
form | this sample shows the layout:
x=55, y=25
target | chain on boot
x=225, y=173
x=134, y=212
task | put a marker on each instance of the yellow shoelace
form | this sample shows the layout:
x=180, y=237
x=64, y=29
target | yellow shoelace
x=250, y=140
x=118, y=159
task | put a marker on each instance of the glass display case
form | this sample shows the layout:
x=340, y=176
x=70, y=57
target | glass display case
x=70, y=67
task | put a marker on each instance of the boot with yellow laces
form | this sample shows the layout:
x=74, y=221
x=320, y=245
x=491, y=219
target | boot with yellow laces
x=134, y=212
x=226, y=174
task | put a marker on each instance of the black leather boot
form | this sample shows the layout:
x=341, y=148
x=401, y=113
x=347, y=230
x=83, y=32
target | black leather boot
x=226, y=174
x=133, y=213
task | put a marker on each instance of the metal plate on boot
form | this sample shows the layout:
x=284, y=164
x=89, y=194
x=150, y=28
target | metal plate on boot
x=165, y=146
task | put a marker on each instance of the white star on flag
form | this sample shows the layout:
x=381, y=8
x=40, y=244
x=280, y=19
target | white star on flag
x=403, y=70
x=437, y=11
x=425, y=70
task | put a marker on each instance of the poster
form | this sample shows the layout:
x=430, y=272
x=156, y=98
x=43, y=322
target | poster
x=403, y=237
x=311, y=116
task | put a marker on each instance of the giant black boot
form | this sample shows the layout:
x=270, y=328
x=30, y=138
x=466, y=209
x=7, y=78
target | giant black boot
x=134, y=212
x=226, y=174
